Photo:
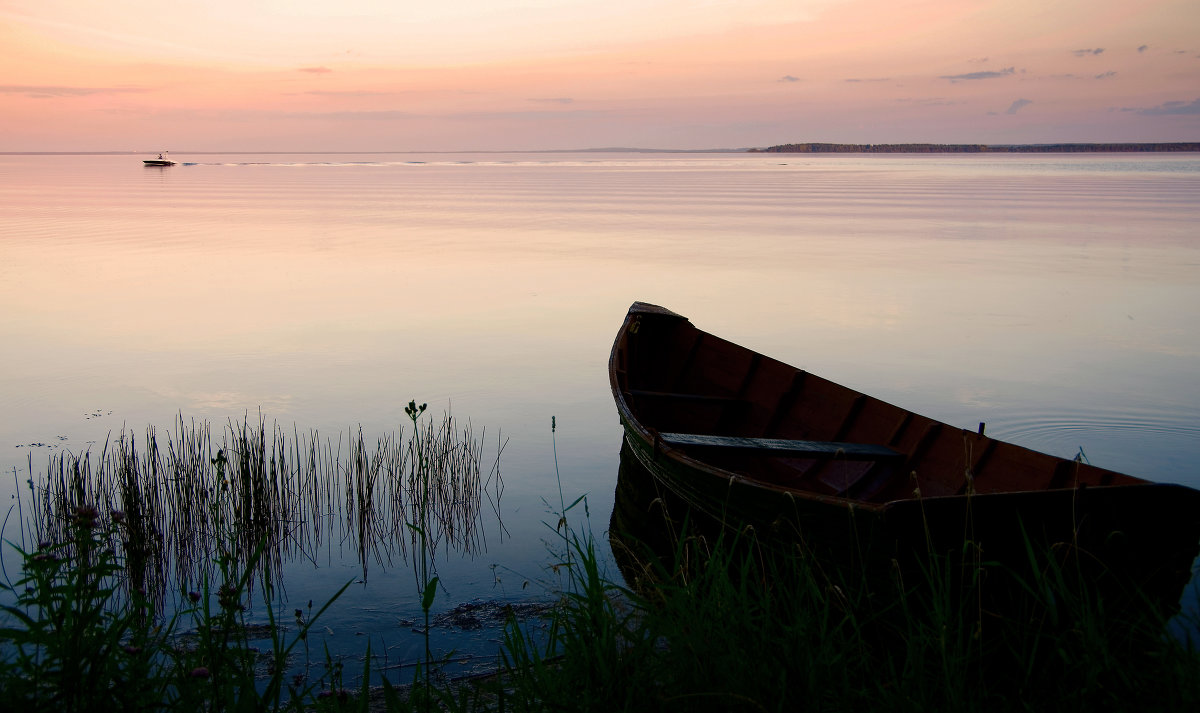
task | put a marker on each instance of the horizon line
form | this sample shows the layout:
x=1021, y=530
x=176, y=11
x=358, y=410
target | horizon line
x=851, y=148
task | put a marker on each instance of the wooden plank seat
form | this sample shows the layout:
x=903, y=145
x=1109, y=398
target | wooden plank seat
x=809, y=449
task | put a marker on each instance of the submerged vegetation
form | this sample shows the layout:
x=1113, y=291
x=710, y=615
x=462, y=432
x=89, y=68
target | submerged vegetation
x=700, y=619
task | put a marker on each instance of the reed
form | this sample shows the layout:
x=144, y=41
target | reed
x=296, y=495
x=723, y=621
x=717, y=620
x=212, y=519
x=76, y=640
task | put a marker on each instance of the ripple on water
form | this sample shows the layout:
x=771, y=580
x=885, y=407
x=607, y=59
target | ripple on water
x=1118, y=439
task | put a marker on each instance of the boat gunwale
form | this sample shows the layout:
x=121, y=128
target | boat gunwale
x=633, y=427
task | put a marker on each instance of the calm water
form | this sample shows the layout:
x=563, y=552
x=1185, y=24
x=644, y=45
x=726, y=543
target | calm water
x=1056, y=298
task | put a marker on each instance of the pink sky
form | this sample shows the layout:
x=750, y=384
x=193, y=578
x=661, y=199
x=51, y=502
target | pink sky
x=397, y=75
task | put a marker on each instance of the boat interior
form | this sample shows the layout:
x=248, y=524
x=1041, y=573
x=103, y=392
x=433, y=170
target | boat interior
x=758, y=417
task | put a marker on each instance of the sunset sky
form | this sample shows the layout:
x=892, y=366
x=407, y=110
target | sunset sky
x=398, y=75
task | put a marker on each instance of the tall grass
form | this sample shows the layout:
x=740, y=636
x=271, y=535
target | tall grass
x=75, y=640
x=704, y=619
x=715, y=619
x=208, y=522
x=722, y=627
x=293, y=494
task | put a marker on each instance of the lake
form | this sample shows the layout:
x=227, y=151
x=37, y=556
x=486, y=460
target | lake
x=1054, y=297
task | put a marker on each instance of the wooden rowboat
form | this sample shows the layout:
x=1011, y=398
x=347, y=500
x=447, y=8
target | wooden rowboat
x=750, y=440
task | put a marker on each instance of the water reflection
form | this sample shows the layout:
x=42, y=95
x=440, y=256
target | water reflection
x=1049, y=296
x=175, y=501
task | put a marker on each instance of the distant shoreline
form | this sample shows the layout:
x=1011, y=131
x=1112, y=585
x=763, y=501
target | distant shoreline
x=813, y=147
x=1160, y=147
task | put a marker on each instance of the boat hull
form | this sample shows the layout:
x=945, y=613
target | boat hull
x=894, y=498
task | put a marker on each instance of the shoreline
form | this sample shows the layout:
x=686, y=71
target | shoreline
x=1153, y=147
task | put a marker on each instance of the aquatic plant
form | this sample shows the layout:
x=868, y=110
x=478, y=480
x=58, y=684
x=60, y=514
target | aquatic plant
x=715, y=620
x=294, y=495
x=721, y=620
x=74, y=639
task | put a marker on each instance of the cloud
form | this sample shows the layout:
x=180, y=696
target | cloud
x=1143, y=48
x=47, y=92
x=553, y=100
x=1175, y=108
x=1018, y=105
x=1106, y=75
x=789, y=78
x=1084, y=53
x=316, y=70
x=869, y=79
x=978, y=75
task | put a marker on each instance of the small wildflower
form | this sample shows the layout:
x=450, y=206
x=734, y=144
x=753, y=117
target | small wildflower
x=133, y=650
x=117, y=515
x=341, y=693
x=199, y=672
x=228, y=597
x=194, y=596
x=85, y=516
